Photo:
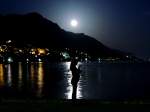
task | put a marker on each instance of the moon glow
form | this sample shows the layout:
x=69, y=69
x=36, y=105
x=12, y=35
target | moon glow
x=74, y=23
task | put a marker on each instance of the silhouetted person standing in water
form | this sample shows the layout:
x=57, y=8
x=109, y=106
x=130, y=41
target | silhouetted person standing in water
x=75, y=76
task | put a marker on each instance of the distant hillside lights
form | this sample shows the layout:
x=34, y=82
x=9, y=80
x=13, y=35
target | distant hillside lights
x=8, y=49
x=39, y=51
x=10, y=60
x=2, y=49
x=10, y=53
x=9, y=41
x=65, y=55
x=99, y=60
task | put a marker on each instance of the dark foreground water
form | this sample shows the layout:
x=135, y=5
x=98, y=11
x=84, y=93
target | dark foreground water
x=53, y=81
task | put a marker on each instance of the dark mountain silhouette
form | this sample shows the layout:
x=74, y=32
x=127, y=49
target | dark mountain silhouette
x=35, y=30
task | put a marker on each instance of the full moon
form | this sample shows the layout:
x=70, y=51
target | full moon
x=74, y=23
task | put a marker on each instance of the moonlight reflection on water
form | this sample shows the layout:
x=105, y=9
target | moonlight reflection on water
x=68, y=76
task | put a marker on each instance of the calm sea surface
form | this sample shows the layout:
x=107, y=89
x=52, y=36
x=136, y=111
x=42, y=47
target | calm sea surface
x=53, y=81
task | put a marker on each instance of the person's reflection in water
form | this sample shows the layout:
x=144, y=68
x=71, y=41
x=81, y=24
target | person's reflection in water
x=75, y=76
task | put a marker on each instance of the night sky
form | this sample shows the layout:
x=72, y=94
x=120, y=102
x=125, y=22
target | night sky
x=121, y=24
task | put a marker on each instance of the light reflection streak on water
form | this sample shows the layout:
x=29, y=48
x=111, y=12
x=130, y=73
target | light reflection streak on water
x=79, y=93
x=79, y=65
x=40, y=78
x=79, y=88
x=1, y=75
x=9, y=75
x=68, y=94
x=32, y=75
x=20, y=74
